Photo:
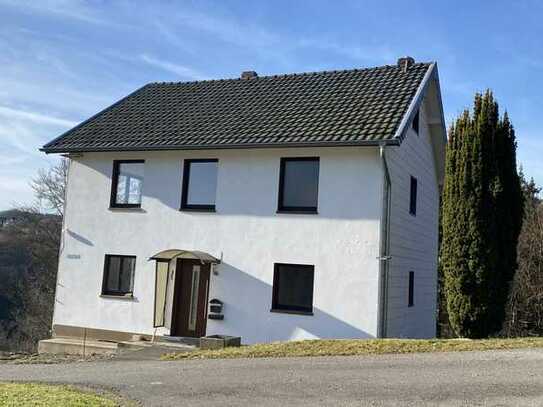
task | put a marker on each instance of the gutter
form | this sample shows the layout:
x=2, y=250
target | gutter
x=360, y=143
x=384, y=249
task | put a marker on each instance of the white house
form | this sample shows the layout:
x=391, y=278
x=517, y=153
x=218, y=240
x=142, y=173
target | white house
x=272, y=208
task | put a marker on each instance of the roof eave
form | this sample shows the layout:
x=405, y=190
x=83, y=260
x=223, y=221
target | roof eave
x=360, y=143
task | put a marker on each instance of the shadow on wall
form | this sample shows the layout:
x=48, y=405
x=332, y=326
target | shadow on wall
x=79, y=238
x=247, y=302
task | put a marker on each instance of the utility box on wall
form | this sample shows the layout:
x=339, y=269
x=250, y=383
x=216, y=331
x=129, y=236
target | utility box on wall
x=216, y=309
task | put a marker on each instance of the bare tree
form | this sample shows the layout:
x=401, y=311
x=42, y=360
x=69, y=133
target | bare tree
x=50, y=187
x=525, y=308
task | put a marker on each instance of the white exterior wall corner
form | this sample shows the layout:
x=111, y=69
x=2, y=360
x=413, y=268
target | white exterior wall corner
x=342, y=242
x=413, y=239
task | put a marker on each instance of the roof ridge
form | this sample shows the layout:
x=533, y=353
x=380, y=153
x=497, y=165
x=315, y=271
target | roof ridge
x=285, y=75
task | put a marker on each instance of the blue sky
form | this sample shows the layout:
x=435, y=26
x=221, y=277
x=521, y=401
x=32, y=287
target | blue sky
x=62, y=61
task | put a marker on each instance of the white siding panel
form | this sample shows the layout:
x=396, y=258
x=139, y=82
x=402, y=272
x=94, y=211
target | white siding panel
x=413, y=239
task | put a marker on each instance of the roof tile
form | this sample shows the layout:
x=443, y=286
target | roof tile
x=333, y=107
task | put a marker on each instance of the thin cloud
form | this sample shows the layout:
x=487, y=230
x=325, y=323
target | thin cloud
x=368, y=53
x=177, y=69
x=36, y=117
x=234, y=32
x=74, y=10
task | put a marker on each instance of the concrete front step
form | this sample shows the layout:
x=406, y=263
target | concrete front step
x=76, y=346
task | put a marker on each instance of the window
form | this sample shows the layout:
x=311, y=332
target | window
x=127, y=184
x=119, y=275
x=293, y=288
x=413, y=197
x=415, y=122
x=298, y=184
x=199, y=184
x=411, y=293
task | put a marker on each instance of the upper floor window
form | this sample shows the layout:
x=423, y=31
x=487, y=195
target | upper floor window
x=119, y=275
x=299, y=184
x=413, y=197
x=415, y=122
x=200, y=184
x=293, y=288
x=127, y=184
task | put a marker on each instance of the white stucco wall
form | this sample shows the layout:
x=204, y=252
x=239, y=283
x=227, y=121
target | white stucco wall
x=342, y=242
x=413, y=239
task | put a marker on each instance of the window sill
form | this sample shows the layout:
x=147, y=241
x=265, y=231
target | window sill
x=129, y=297
x=284, y=311
x=297, y=212
x=126, y=209
x=198, y=210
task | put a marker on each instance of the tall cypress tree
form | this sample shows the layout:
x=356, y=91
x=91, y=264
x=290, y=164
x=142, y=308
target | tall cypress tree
x=482, y=215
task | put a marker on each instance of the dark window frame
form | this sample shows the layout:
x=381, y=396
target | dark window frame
x=185, y=206
x=411, y=290
x=117, y=293
x=276, y=307
x=415, y=124
x=115, y=182
x=295, y=209
x=413, y=195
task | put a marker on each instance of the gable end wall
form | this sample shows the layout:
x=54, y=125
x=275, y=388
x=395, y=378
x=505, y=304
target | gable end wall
x=413, y=239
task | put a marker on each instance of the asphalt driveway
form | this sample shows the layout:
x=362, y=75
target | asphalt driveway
x=492, y=378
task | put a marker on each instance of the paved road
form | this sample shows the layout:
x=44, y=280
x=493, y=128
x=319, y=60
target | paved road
x=504, y=378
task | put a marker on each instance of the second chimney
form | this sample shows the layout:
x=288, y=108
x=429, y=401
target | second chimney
x=249, y=75
x=405, y=62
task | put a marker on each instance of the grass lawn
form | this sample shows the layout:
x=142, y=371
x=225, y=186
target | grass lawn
x=42, y=395
x=351, y=347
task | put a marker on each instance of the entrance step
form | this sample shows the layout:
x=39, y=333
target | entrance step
x=184, y=340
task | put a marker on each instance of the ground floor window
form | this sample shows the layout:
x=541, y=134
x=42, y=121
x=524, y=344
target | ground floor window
x=411, y=292
x=118, y=275
x=293, y=288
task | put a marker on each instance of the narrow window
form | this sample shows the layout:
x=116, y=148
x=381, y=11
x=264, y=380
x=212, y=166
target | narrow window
x=413, y=197
x=411, y=294
x=127, y=184
x=118, y=275
x=415, y=122
x=293, y=288
x=298, y=185
x=199, y=184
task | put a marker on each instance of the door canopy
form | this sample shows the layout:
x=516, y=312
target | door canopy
x=171, y=254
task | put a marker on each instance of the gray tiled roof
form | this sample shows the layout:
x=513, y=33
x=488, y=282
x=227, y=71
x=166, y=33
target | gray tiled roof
x=349, y=107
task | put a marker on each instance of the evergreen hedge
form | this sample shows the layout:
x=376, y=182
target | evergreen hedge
x=482, y=217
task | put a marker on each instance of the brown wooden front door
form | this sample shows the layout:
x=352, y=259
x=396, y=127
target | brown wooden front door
x=190, y=298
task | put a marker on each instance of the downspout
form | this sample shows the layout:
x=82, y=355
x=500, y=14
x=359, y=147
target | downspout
x=384, y=248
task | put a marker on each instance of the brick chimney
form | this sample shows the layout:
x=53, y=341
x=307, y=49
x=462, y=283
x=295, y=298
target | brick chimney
x=405, y=63
x=249, y=75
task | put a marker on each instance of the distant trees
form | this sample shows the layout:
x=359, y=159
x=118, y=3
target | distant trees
x=29, y=248
x=525, y=307
x=481, y=220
